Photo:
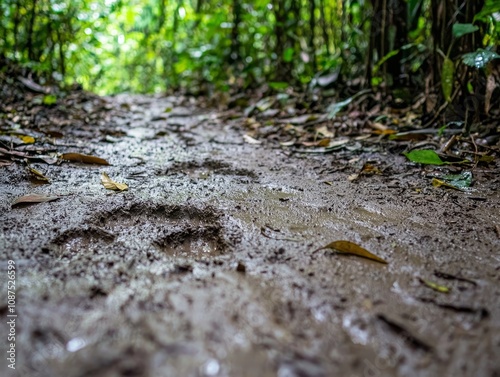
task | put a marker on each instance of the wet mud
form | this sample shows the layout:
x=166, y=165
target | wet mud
x=206, y=265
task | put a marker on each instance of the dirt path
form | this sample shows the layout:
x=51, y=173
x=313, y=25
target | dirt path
x=205, y=266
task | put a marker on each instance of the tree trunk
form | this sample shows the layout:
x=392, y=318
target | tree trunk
x=235, y=43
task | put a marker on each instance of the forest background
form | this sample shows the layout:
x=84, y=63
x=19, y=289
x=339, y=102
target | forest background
x=446, y=51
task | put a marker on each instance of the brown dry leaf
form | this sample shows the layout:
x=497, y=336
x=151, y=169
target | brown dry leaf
x=109, y=184
x=370, y=169
x=385, y=132
x=86, y=159
x=347, y=247
x=34, y=198
x=490, y=88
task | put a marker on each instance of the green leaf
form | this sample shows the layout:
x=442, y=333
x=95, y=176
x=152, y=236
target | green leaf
x=265, y=103
x=460, y=30
x=480, y=58
x=490, y=7
x=334, y=108
x=49, y=99
x=278, y=85
x=424, y=156
x=389, y=55
x=376, y=81
x=441, y=130
x=460, y=181
x=447, y=78
x=288, y=54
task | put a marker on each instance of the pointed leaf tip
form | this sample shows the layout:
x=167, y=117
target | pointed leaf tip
x=347, y=247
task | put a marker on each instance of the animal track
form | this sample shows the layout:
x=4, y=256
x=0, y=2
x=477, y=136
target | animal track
x=193, y=243
x=206, y=167
x=147, y=233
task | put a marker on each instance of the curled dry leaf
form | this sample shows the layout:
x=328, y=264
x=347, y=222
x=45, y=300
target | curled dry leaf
x=347, y=247
x=109, y=184
x=34, y=198
x=86, y=159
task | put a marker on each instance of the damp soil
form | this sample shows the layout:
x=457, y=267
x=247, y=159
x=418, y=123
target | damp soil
x=206, y=265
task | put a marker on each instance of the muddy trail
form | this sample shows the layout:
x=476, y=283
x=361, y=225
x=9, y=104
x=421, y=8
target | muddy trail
x=208, y=264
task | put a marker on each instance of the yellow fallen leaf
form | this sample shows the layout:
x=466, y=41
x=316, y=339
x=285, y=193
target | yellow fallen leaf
x=347, y=247
x=86, y=159
x=385, y=132
x=26, y=139
x=436, y=287
x=324, y=143
x=438, y=183
x=109, y=184
x=37, y=174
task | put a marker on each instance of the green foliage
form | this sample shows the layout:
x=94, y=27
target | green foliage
x=447, y=77
x=424, y=156
x=460, y=30
x=204, y=46
x=479, y=58
x=490, y=7
x=49, y=100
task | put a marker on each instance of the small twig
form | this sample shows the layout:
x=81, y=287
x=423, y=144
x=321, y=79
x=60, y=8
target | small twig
x=476, y=160
x=452, y=141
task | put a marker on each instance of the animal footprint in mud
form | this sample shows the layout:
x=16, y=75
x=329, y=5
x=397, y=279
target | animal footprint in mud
x=193, y=242
x=158, y=232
